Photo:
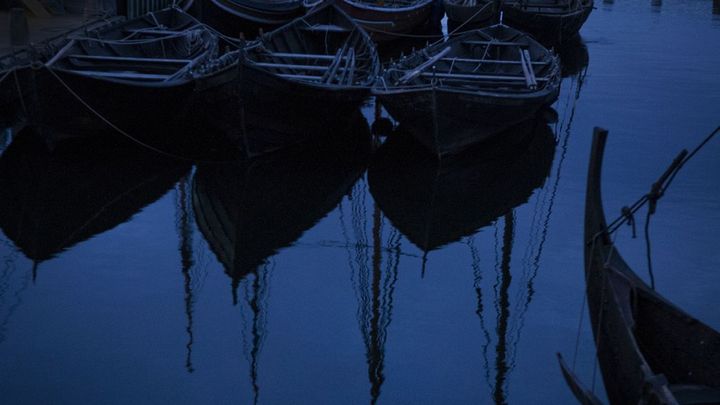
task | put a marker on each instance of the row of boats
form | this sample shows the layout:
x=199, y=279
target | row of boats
x=152, y=75
x=388, y=19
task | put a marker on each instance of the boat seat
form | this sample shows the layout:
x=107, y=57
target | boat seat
x=122, y=75
x=99, y=58
x=325, y=28
x=292, y=66
x=479, y=77
x=695, y=394
x=490, y=61
x=497, y=43
x=300, y=55
x=159, y=31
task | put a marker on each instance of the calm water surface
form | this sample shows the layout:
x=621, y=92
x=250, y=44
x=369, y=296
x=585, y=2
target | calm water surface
x=350, y=278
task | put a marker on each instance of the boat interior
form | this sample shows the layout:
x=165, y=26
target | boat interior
x=504, y=62
x=324, y=47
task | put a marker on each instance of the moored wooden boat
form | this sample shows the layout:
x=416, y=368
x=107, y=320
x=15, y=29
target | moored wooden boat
x=142, y=78
x=472, y=12
x=19, y=68
x=323, y=59
x=552, y=21
x=388, y=20
x=649, y=350
x=233, y=17
x=469, y=88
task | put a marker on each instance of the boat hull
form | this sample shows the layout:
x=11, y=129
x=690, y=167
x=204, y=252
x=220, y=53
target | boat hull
x=649, y=350
x=159, y=116
x=482, y=14
x=447, y=122
x=247, y=17
x=388, y=23
x=549, y=28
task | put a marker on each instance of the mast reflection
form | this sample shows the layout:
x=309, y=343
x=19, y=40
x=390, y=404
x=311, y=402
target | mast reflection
x=248, y=210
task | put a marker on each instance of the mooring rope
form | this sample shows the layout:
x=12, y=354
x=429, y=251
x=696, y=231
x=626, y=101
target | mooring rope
x=7, y=74
x=20, y=93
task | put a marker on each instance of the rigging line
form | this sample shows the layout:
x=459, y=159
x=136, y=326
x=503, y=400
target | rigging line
x=7, y=74
x=20, y=93
x=659, y=187
x=690, y=156
x=647, y=249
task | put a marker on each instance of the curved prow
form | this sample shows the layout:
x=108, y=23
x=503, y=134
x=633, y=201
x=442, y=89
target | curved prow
x=595, y=225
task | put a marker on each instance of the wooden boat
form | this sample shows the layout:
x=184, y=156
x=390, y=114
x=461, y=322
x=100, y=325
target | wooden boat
x=469, y=88
x=232, y=17
x=248, y=210
x=17, y=72
x=55, y=199
x=649, y=350
x=434, y=203
x=475, y=13
x=388, y=20
x=144, y=78
x=552, y=21
x=323, y=59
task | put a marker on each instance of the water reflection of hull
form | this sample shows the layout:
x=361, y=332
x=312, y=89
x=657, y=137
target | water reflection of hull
x=52, y=200
x=437, y=202
x=255, y=130
x=574, y=56
x=248, y=210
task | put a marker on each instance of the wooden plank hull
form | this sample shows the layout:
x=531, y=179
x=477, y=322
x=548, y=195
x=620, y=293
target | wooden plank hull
x=146, y=79
x=482, y=14
x=447, y=122
x=74, y=105
x=18, y=87
x=468, y=89
x=232, y=17
x=385, y=22
x=551, y=28
x=293, y=65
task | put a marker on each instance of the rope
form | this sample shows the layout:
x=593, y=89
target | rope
x=20, y=93
x=7, y=74
x=658, y=188
x=113, y=126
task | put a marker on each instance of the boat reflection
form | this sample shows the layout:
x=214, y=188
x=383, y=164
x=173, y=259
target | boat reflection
x=53, y=199
x=434, y=203
x=574, y=56
x=249, y=209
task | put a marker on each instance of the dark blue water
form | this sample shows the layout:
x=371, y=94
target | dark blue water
x=327, y=283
